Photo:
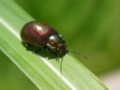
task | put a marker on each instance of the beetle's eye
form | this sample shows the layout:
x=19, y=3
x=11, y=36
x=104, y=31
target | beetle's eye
x=61, y=47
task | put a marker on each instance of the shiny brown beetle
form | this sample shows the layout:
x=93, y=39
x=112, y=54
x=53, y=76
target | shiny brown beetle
x=43, y=36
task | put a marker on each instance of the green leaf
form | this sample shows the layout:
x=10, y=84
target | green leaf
x=43, y=72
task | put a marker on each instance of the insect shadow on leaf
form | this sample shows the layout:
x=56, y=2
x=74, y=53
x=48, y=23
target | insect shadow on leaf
x=45, y=53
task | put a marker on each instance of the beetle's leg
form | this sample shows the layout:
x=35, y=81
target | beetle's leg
x=61, y=65
x=25, y=44
x=57, y=57
x=46, y=49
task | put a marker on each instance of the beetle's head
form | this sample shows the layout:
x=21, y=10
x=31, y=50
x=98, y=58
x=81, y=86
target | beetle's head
x=57, y=44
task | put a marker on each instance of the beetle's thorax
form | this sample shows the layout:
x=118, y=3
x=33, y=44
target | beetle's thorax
x=56, y=44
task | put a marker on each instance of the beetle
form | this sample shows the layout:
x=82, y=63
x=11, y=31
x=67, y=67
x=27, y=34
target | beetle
x=42, y=36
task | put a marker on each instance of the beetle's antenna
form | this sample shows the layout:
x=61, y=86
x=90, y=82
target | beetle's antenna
x=78, y=53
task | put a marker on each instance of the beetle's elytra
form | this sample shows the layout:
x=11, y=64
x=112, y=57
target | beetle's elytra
x=41, y=35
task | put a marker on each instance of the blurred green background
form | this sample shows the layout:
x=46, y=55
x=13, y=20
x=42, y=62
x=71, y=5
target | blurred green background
x=89, y=26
